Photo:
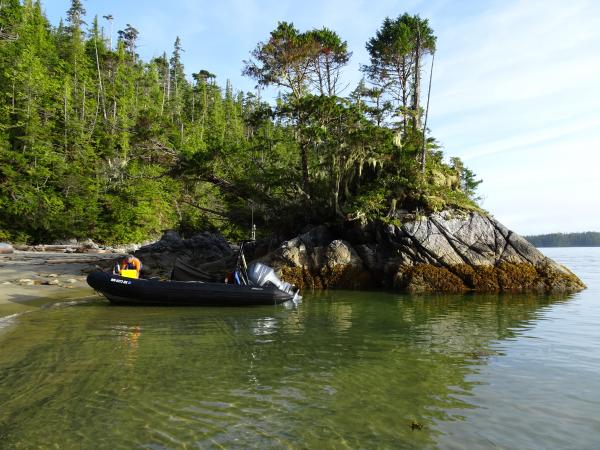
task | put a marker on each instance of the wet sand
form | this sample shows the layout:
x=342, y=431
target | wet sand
x=31, y=279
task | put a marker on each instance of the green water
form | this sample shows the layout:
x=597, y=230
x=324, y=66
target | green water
x=341, y=370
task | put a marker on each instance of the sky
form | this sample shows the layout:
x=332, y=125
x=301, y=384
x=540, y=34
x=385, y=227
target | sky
x=515, y=90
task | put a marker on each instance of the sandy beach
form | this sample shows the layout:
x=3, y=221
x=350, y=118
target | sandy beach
x=31, y=279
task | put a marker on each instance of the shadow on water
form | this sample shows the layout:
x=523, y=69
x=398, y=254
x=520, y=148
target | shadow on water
x=343, y=369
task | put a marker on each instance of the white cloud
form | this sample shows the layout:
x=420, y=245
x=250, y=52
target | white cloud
x=516, y=94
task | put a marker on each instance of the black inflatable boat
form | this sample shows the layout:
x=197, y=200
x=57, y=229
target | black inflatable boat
x=123, y=290
x=254, y=285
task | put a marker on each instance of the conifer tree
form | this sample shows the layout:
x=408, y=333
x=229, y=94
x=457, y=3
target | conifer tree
x=96, y=142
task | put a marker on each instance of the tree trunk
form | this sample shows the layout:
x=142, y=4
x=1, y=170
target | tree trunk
x=336, y=188
x=403, y=77
x=99, y=79
x=162, y=105
x=193, y=103
x=417, y=84
x=424, y=149
x=204, y=110
x=305, y=179
x=66, y=118
x=168, y=84
x=330, y=90
x=95, y=114
x=83, y=104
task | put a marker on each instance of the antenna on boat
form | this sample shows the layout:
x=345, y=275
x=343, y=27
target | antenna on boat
x=253, y=232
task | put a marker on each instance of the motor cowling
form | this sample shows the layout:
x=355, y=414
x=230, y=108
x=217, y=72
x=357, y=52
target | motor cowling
x=261, y=274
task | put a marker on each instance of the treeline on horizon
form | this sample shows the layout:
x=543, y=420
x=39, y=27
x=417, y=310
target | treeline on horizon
x=585, y=239
x=96, y=142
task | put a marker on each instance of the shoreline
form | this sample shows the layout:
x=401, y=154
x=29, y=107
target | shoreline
x=29, y=279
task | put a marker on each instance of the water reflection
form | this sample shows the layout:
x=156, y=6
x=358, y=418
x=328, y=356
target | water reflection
x=343, y=369
x=129, y=337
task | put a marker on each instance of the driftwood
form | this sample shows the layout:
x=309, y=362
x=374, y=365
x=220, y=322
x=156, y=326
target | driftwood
x=45, y=247
x=75, y=261
x=62, y=248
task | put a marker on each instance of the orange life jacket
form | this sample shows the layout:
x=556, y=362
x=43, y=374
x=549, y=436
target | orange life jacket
x=134, y=264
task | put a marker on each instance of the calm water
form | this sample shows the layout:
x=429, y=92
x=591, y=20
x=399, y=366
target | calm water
x=341, y=370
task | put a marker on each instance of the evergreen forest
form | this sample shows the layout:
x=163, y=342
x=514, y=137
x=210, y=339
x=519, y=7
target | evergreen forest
x=585, y=239
x=97, y=142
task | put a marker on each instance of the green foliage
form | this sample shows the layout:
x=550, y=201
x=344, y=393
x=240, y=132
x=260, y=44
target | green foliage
x=89, y=137
x=369, y=204
x=95, y=142
x=395, y=55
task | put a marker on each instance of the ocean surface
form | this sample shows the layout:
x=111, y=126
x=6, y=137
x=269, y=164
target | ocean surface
x=341, y=370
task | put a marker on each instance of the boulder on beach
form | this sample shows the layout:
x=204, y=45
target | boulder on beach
x=6, y=248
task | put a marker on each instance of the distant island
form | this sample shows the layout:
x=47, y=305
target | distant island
x=585, y=239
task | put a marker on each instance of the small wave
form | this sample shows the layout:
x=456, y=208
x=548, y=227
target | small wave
x=73, y=302
x=7, y=321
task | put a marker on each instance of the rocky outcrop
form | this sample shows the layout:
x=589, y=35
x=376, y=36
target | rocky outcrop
x=444, y=252
x=317, y=260
x=6, y=249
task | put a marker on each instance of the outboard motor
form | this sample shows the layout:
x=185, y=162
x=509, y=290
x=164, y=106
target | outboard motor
x=261, y=274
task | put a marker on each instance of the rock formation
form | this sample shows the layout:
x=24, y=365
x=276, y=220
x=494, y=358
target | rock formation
x=445, y=252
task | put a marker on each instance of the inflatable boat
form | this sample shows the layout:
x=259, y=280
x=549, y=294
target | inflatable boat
x=256, y=285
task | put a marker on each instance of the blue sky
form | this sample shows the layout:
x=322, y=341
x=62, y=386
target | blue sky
x=516, y=84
